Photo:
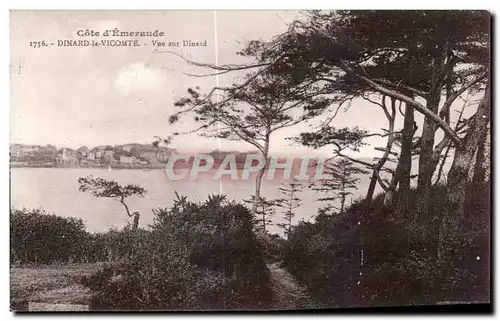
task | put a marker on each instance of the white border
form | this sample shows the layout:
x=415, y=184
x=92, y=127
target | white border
x=251, y=5
x=156, y=5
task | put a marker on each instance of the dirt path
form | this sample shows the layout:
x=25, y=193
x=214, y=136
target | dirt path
x=288, y=294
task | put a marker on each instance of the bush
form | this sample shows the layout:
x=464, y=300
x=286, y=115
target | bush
x=150, y=280
x=319, y=258
x=399, y=265
x=198, y=256
x=41, y=238
x=272, y=245
x=116, y=245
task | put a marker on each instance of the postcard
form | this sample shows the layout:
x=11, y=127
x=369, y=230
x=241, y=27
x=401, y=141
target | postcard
x=221, y=160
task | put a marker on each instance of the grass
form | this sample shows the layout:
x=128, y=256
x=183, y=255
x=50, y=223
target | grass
x=61, y=284
x=50, y=284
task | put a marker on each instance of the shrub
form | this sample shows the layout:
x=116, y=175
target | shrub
x=398, y=266
x=150, y=280
x=116, y=245
x=272, y=246
x=321, y=260
x=38, y=237
x=198, y=256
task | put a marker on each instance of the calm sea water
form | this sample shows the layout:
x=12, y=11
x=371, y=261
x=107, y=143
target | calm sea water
x=56, y=191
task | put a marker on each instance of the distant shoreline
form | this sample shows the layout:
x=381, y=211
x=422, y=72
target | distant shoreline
x=73, y=167
x=128, y=167
x=93, y=167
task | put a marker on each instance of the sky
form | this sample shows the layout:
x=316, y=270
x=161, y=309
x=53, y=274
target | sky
x=74, y=96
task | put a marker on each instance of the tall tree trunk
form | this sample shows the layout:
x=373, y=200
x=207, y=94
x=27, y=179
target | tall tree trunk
x=405, y=161
x=290, y=224
x=391, y=188
x=371, y=187
x=447, y=142
x=342, y=200
x=264, y=219
x=390, y=140
x=479, y=170
x=258, y=182
x=260, y=174
x=425, y=165
x=443, y=162
x=458, y=176
x=425, y=169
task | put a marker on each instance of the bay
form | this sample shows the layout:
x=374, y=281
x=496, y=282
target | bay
x=56, y=191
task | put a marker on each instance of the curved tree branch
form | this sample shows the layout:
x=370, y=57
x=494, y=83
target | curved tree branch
x=419, y=107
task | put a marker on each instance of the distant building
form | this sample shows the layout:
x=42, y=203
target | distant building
x=16, y=150
x=68, y=157
x=127, y=160
x=83, y=151
x=149, y=156
x=108, y=153
x=19, y=150
x=99, y=151
x=164, y=155
x=31, y=149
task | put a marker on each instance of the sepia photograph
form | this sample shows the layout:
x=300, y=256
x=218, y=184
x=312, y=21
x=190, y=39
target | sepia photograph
x=250, y=160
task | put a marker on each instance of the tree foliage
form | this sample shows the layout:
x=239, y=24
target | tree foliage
x=266, y=209
x=342, y=178
x=289, y=202
x=41, y=238
x=100, y=187
x=358, y=260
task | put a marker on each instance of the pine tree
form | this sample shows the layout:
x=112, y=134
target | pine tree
x=343, y=176
x=289, y=202
x=250, y=113
x=264, y=212
x=100, y=187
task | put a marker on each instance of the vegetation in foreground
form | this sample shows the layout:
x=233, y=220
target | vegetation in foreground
x=196, y=256
x=54, y=283
x=208, y=255
x=363, y=257
x=410, y=245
